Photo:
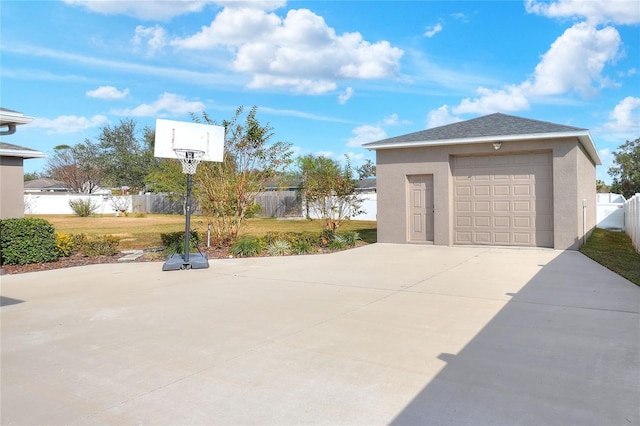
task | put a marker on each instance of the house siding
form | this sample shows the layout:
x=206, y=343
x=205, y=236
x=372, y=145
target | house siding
x=11, y=187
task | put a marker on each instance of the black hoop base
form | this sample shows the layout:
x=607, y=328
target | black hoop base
x=177, y=262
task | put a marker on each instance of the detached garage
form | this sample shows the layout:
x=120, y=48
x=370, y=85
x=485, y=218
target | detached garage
x=493, y=180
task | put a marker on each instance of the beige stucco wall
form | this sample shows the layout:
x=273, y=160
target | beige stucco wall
x=573, y=180
x=11, y=187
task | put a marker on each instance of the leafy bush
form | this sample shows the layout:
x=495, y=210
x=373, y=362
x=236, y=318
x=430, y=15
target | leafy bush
x=279, y=248
x=77, y=240
x=301, y=247
x=174, y=241
x=103, y=245
x=83, y=207
x=27, y=240
x=338, y=242
x=350, y=238
x=246, y=247
x=64, y=244
x=326, y=237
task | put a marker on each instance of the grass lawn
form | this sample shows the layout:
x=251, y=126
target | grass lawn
x=614, y=251
x=144, y=232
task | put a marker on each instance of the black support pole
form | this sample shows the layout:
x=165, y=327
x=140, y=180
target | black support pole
x=187, y=227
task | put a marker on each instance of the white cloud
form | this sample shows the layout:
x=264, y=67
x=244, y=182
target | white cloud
x=148, y=9
x=460, y=17
x=366, y=133
x=431, y=31
x=596, y=12
x=154, y=38
x=575, y=61
x=509, y=99
x=345, y=96
x=107, y=92
x=440, y=117
x=166, y=103
x=69, y=123
x=394, y=120
x=625, y=117
x=299, y=51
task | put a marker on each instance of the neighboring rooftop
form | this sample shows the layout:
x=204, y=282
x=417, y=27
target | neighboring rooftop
x=488, y=128
x=45, y=184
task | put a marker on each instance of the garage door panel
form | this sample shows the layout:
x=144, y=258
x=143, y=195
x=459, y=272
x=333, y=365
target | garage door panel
x=522, y=238
x=463, y=206
x=482, y=222
x=501, y=221
x=463, y=190
x=522, y=222
x=500, y=190
x=502, y=238
x=522, y=189
x=481, y=206
x=503, y=199
x=482, y=190
x=463, y=221
x=501, y=206
x=522, y=206
x=463, y=237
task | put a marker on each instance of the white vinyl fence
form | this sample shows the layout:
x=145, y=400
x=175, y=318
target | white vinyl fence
x=39, y=203
x=632, y=220
x=274, y=204
x=610, y=211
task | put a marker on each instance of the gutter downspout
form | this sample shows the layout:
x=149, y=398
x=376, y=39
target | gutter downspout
x=11, y=129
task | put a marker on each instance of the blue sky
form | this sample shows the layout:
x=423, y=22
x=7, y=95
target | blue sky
x=327, y=75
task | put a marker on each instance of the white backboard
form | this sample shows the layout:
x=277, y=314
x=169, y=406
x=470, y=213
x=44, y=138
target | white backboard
x=184, y=135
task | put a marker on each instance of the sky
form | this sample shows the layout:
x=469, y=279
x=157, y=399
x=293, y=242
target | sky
x=326, y=75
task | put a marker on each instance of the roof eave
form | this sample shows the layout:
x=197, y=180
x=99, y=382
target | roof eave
x=583, y=136
x=22, y=153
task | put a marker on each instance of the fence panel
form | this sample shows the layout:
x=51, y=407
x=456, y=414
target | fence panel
x=279, y=204
x=632, y=220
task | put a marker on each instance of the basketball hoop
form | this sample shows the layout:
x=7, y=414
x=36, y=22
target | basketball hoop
x=190, y=158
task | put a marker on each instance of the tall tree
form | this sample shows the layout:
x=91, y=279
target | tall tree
x=626, y=169
x=127, y=155
x=329, y=189
x=367, y=170
x=228, y=189
x=78, y=166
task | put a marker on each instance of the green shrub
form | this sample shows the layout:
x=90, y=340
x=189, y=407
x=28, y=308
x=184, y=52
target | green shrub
x=102, y=245
x=301, y=247
x=83, y=207
x=338, y=242
x=350, y=238
x=27, y=240
x=174, y=241
x=279, y=248
x=246, y=247
x=326, y=237
x=64, y=244
x=77, y=240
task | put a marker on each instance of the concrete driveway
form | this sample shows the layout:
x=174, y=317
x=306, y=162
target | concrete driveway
x=384, y=334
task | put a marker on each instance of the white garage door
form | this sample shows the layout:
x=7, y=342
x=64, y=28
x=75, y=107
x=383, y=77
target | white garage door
x=503, y=200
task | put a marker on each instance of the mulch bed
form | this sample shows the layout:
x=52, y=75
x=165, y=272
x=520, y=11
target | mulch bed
x=79, y=260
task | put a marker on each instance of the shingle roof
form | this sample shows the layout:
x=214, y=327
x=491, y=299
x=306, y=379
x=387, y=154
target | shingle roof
x=493, y=127
x=486, y=126
x=45, y=183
